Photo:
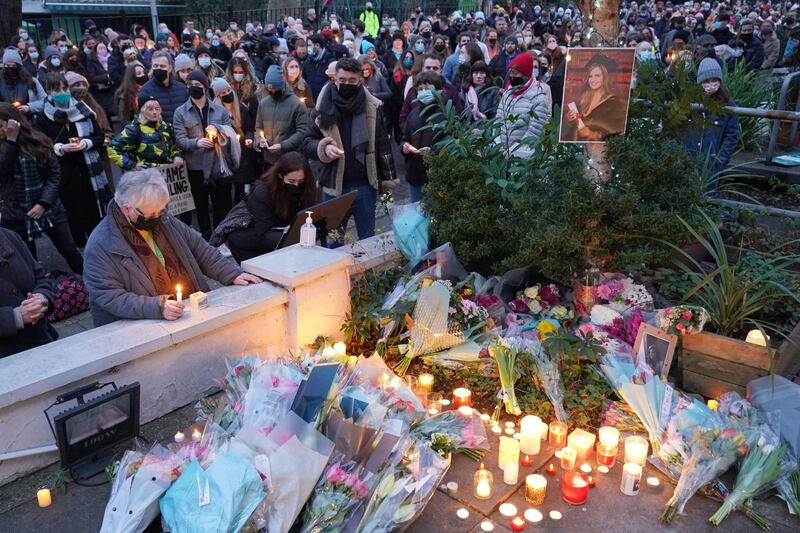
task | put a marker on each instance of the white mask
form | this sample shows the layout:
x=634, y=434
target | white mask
x=711, y=87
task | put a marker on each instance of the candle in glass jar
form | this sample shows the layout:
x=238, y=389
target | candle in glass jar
x=508, y=452
x=482, y=483
x=608, y=436
x=568, y=457
x=517, y=523
x=529, y=441
x=574, y=488
x=526, y=460
x=196, y=435
x=511, y=473
x=43, y=497
x=631, y=478
x=558, y=433
x=582, y=442
x=424, y=384
x=551, y=469
x=606, y=455
x=535, y=489
x=462, y=396
x=636, y=450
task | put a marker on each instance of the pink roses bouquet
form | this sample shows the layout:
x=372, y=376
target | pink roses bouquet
x=684, y=319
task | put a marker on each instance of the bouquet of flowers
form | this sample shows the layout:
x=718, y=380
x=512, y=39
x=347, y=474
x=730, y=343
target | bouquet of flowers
x=536, y=300
x=789, y=488
x=684, y=319
x=505, y=352
x=623, y=295
x=621, y=416
x=338, y=491
x=548, y=377
x=453, y=432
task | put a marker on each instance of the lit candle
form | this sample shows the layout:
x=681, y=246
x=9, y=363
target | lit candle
x=606, y=455
x=462, y=513
x=445, y=404
x=534, y=516
x=340, y=348
x=196, y=435
x=461, y=396
x=424, y=384
x=328, y=352
x=486, y=525
x=555, y=515
x=17, y=105
x=582, y=442
x=586, y=469
x=529, y=441
x=482, y=483
x=43, y=497
x=551, y=469
x=575, y=488
x=508, y=452
x=485, y=418
x=653, y=481
x=511, y=473
x=178, y=293
x=713, y=405
x=535, y=489
x=496, y=430
x=558, y=433
x=591, y=482
x=608, y=436
x=509, y=431
x=465, y=410
x=568, y=457
x=754, y=336
x=508, y=509
x=179, y=437
x=526, y=460
x=211, y=131
x=517, y=523
x=432, y=411
x=636, y=450
x=631, y=477
x=510, y=424
x=603, y=469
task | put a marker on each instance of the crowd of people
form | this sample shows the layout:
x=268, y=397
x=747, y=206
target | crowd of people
x=272, y=116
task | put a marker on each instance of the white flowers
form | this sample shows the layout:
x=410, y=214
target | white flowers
x=603, y=315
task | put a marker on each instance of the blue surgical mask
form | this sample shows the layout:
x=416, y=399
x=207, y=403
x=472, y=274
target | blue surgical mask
x=209, y=35
x=425, y=96
x=419, y=47
x=24, y=35
x=215, y=42
x=646, y=56
x=238, y=76
x=461, y=60
x=55, y=61
x=738, y=53
x=408, y=63
x=34, y=55
x=63, y=50
x=535, y=73
x=204, y=62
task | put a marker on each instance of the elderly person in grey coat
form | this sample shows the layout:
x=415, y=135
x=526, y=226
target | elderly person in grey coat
x=139, y=253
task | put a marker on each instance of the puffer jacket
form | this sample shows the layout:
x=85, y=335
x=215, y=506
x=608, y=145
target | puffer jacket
x=531, y=110
x=170, y=97
x=143, y=144
x=283, y=121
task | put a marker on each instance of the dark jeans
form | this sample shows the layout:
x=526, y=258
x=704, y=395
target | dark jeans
x=61, y=236
x=221, y=201
x=82, y=206
x=363, y=210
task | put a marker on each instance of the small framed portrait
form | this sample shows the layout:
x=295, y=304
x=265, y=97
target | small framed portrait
x=654, y=348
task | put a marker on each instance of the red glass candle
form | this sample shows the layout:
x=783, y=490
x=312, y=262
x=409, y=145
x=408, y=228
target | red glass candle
x=462, y=397
x=517, y=523
x=606, y=455
x=551, y=469
x=575, y=487
x=526, y=460
x=591, y=482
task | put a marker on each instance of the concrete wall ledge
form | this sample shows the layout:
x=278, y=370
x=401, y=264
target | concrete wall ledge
x=34, y=372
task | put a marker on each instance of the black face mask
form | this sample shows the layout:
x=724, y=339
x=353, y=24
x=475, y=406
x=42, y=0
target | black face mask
x=141, y=80
x=301, y=55
x=746, y=37
x=228, y=98
x=492, y=41
x=294, y=192
x=426, y=34
x=12, y=73
x=543, y=70
x=276, y=93
x=197, y=92
x=160, y=74
x=348, y=91
x=145, y=224
x=439, y=48
x=516, y=81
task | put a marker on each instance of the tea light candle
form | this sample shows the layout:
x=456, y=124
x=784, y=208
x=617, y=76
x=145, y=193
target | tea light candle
x=603, y=469
x=508, y=509
x=179, y=437
x=211, y=131
x=653, y=481
x=178, y=293
x=754, y=336
x=465, y=410
x=631, y=477
x=582, y=442
x=508, y=452
x=496, y=430
x=452, y=487
x=575, y=488
x=517, y=436
x=462, y=513
x=606, y=455
x=487, y=526
x=517, y=523
x=608, y=436
x=713, y=405
x=586, y=469
x=511, y=425
x=558, y=433
x=526, y=460
x=509, y=431
x=555, y=515
x=16, y=104
x=636, y=450
x=196, y=435
x=568, y=457
x=485, y=418
x=340, y=348
x=328, y=351
x=534, y=516
x=535, y=489
x=482, y=483
x=425, y=384
x=43, y=497
x=511, y=473
x=446, y=404
x=433, y=411
x=462, y=396
x=551, y=469
x=530, y=441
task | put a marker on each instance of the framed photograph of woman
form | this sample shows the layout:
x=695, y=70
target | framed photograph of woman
x=597, y=89
x=654, y=349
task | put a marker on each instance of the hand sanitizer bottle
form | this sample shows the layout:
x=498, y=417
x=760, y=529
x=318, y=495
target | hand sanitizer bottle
x=308, y=232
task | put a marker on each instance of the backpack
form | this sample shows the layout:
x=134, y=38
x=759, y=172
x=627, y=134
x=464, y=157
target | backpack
x=70, y=296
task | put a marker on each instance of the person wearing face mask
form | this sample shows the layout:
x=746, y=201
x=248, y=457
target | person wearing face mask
x=170, y=94
x=418, y=139
x=206, y=64
x=243, y=123
x=469, y=55
x=349, y=139
x=716, y=136
x=501, y=61
x=51, y=63
x=17, y=87
x=314, y=67
x=374, y=81
x=116, y=60
x=72, y=62
x=293, y=74
x=183, y=66
x=371, y=21
x=525, y=106
x=753, y=47
x=140, y=252
x=255, y=226
x=220, y=52
x=76, y=136
x=395, y=53
x=736, y=47
x=439, y=48
x=402, y=72
x=425, y=34
x=145, y=142
x=127, y=95
x=478, y=92
x=282, y=119
x=772, y=45
x=31, y=62
x=102, y=88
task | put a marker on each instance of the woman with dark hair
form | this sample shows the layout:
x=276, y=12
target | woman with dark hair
x=469, y=54
x=73, y=63
x=440, y=47
x=102, y=88
x=76, y=136
x=403, y=70
x=126, y=98
x=293, y=73
x=29, y=182
x=394, y=54
x=374, y=82
x=52, y=63
x=478, y=92
x=419, y=139
x=17, y=87
x=255, y=226
x=598, y=112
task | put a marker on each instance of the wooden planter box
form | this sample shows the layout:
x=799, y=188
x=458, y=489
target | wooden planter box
x=711, y=364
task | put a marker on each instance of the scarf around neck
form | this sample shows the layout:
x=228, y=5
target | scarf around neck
x=76, y=111
x=333, y=106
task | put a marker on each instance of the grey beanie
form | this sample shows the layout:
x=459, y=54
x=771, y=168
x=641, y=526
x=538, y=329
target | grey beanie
x=708, y=69
x=219, y=85
x=10, y=55
x=183, y=61
x=274, y=77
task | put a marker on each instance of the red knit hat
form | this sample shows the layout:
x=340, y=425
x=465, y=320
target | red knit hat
x=523, y=64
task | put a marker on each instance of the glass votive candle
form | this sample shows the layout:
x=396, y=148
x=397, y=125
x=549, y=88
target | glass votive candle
x=608, y=436
x=574, y=488
x=606, y=454
x=482, y=483
x=631, y=479
x=461, y=397
x=636, y=450
x=435, y=401
x=535, y=489
x=558, y=433
x=568, y=457
x=424, y=384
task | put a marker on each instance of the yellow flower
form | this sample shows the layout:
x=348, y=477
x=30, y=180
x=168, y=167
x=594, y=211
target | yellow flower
x=427, y=282
x=545, y=329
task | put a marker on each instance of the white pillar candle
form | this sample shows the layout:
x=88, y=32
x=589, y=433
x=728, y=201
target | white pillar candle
x=631, y=477
x=530, y=440
x=178, y=293
x=543, y=431
x=43, y=497
x=636, y=450
x=179, y=437
x=508, y=452
x=511, y=473
x=508, y=509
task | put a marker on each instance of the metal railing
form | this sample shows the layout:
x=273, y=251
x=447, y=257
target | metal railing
x=776, y=125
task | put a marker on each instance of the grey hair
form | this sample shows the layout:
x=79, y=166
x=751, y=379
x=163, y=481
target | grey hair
x=135, y=186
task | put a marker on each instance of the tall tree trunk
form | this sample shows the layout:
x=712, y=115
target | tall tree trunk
x=10, y=20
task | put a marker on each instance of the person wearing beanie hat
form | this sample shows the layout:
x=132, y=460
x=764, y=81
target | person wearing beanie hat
x=184, y=65
x=206, y=63
x=500, y=63
x=73, y=78
x=17, y=86
x=11, y=55
x=716, y=136
x=281, y=117
x=218, y=85
x=190, y=122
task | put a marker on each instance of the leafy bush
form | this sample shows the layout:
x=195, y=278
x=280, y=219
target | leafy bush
x=750, y=88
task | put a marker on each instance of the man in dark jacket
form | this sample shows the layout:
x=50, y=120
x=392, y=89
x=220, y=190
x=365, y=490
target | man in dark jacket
x=139, y=254
x=169, y=93
x=316, y=64
x=720, y=31
x=282, y=120
x=25, y=296
x=349, y=139
x=116, y=63
x=753, y=47
x=499, y=64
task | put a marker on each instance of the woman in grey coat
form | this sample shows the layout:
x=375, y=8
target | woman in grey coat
x=139, y=253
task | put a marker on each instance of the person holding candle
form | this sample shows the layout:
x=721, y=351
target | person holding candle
x=139, y=253
x=17, y=86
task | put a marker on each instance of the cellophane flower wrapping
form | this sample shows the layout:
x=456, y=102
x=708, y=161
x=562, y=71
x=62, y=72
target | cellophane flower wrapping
x=340, y=489
x=548, y=376
x=463, y=431
x=505, y=351
x=623, y=295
